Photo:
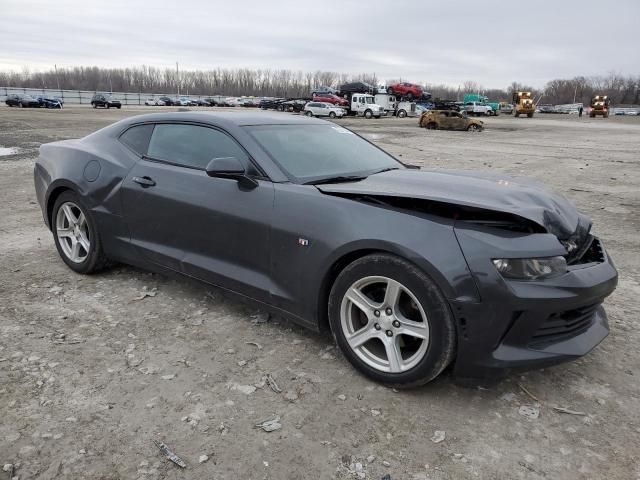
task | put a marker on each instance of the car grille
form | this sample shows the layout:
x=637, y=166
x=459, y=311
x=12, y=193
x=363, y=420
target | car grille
x=564, y=325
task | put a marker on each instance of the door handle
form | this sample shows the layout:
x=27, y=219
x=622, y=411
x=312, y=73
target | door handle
x=144, y=181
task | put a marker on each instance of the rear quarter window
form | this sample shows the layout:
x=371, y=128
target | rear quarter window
x=137, y=138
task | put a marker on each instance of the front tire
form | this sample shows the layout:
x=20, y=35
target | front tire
x=402, y=114
x=76, y=235
x=391, y=321
x=332, y=114
x=309, y=113
x=368, y=114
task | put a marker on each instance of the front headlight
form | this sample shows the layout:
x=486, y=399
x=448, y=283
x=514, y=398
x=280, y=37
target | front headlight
x=530, y=268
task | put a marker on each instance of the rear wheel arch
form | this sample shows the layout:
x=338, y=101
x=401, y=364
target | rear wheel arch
x=51, y=201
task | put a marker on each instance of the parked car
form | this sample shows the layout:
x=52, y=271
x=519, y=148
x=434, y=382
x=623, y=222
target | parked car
x=323, y=109
x=294, y=105
x=506, y=108
x=449, y=120
x=357, y=87
x=232, y=101
x=411, y=270
x=167, y=101
x=477, y=108
x=49, y=102
x=319, y=90
x=271, y=103
x=250, y=102
x=105, y=100
x=405, y=89
x=545, y=108
x=201, y=102
x=331, y=98
x=22, y=101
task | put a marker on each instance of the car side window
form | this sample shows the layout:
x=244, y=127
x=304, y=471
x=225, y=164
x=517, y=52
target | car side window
x=192, y=145
x=137, y=138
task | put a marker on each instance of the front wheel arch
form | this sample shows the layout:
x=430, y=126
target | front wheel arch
x=345, y=257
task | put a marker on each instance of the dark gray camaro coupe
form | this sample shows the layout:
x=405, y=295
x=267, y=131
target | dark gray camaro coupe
x=411, y=270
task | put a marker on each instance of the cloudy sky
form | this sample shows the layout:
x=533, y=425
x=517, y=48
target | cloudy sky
x=489, y=41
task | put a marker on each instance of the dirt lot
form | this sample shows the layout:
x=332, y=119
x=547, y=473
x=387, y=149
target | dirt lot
x=90, y=376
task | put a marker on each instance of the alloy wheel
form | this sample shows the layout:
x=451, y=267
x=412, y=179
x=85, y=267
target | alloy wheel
x=384, y=324
x=72, y=231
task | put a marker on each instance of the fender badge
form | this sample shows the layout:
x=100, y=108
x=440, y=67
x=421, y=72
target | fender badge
x=303, y=242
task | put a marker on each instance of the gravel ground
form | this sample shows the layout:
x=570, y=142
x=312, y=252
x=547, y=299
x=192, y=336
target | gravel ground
x=91, y=373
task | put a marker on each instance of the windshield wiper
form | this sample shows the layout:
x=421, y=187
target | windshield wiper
x=388, y=169
x=336, y=179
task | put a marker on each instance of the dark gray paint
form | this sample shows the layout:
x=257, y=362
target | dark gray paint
x=246, y=240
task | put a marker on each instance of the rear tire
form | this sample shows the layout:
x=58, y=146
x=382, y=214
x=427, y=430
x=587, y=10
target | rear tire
x=411, y=333
x=90, y=259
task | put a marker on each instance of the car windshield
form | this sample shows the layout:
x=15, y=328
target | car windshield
x=315, y=152
x=368, y=100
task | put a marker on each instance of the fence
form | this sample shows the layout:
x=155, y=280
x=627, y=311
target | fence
x=83, y=97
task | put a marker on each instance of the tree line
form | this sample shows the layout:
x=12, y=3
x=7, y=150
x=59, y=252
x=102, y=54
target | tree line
x=621, y=89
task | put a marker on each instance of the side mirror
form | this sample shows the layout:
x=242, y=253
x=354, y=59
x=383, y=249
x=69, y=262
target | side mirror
x=226, y=167
x=230, y=167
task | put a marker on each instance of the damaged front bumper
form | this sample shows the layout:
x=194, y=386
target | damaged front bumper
x=521, y=325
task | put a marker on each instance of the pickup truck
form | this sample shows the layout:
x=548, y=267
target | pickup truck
x=475, y=108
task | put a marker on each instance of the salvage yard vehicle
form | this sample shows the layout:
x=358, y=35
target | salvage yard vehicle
x=295, y=105
x=363, y=104
x=506, y=108
x=449, y=120
x=475, y=108
x=322, y=109
x=411, y=270
x=405, y=89
x=106, y=101
x=599, y=106
x=523, y=104
x=49, y=102
x=330, y=98
x=22, y=101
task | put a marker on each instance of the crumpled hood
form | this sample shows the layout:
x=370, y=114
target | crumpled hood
x=518, y=196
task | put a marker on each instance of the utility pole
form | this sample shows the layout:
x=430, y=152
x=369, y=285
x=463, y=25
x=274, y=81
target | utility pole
x=178, y=76
x=55, y=67
x=575, y=93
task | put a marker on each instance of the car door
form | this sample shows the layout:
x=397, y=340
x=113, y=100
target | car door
x=443, y=120
x=212, y=229
x=457, y=121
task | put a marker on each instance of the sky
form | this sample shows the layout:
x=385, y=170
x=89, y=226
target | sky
x=437, y=42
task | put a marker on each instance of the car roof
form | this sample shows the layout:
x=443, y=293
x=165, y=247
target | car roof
x=227, y=118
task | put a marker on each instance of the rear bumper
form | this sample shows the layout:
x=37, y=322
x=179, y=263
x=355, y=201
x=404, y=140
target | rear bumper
x=526, y=325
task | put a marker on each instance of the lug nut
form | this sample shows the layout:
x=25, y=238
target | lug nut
x=396, y=323
x=389, y=311
x=377, y=326
x=376, y=313
x=389, y=333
